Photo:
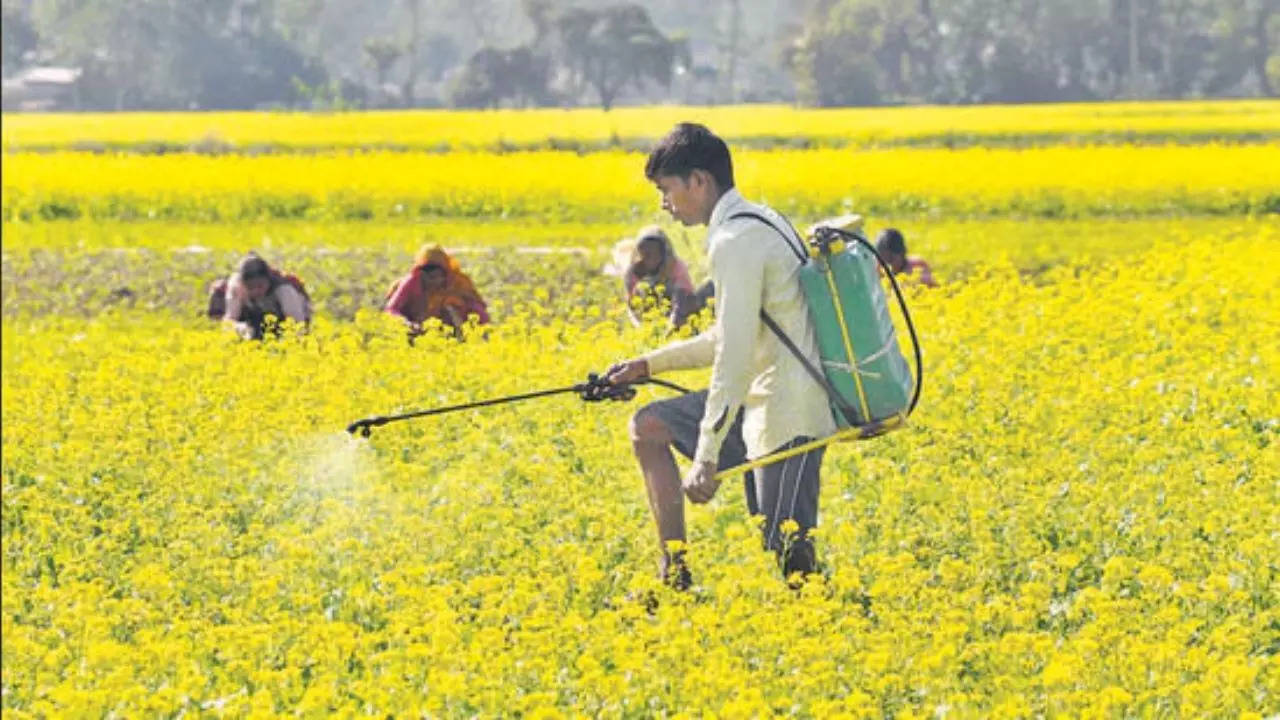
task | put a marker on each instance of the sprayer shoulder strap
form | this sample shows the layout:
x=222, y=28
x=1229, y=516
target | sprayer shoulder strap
x=792, y=243
x=841, y=404
x=850, y=415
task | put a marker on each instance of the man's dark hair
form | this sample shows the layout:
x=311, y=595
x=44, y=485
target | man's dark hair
x=890, y=241
x=689, y=147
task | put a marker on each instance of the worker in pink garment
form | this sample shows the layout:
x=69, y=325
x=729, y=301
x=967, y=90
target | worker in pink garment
x=893, y=248
x=656, y=275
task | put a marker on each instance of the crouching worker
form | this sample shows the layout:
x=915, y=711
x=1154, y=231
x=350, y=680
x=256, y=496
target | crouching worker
x=893, y=248
x=436, y=288
x=656, y=275
x=760, y=400
x=256, y=297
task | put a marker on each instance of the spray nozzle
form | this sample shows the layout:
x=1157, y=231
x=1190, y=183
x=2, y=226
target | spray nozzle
x=365, y=426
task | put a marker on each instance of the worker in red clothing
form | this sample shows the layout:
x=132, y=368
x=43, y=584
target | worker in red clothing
x=436, y=288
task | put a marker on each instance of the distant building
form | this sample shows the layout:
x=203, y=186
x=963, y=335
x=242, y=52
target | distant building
x=40, y=89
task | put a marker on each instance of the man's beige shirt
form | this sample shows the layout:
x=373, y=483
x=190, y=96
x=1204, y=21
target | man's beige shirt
x=753, y=268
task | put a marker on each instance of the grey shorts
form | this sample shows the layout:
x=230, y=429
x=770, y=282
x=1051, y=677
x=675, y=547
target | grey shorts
x=787, y=489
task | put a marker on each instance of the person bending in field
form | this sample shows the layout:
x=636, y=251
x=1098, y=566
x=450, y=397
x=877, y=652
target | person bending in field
x=257, y=296
x=436, y=288
x=893, y=248
x=761, y=399
x=655, y=275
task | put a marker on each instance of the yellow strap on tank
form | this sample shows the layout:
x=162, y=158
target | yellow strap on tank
x=860, y=432
x=848, y=344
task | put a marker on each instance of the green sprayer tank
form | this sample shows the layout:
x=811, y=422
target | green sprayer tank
x=856, y=337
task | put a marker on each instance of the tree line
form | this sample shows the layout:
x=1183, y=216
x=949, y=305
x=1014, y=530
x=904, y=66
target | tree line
x=216, y=54
x=866, y=52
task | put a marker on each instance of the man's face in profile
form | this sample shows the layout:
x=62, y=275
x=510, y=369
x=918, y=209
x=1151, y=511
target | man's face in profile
x=682, y=197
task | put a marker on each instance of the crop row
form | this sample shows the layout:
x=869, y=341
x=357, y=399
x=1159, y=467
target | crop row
x=341, y=282
x=586, y=130
x=566, y=187
x=87, y=269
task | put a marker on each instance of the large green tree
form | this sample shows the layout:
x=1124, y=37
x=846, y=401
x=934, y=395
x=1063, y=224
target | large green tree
x=861, y=52
x=492, y=78
x=612, y=48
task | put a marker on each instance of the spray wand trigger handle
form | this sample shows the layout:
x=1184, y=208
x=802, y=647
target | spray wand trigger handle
x=598, y=388
x=587, y=390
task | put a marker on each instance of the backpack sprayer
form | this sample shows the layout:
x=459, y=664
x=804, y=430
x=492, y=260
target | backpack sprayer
x=868, y=384
x=866, y=378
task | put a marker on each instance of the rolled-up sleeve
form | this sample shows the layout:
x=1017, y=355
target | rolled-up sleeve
x=737, y=267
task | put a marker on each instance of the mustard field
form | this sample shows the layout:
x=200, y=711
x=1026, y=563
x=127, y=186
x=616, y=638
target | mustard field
x=1237, y=121
x=1079, y=522
x=555, y=186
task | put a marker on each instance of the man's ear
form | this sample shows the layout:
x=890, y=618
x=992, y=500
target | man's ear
x=703, y=179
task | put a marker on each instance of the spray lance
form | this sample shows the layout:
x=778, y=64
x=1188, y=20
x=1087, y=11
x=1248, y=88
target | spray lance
x=595, y=389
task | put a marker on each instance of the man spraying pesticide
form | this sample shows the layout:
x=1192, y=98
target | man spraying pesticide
x=802, y=353
x=768, y=407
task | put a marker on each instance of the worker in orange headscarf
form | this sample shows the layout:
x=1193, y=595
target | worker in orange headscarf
x=436, y=288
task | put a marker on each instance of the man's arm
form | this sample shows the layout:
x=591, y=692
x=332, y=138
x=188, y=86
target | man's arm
x=696, y=352
x=737, y=267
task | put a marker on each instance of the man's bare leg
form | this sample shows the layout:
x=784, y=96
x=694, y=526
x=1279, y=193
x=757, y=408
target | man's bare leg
x=651, y=441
